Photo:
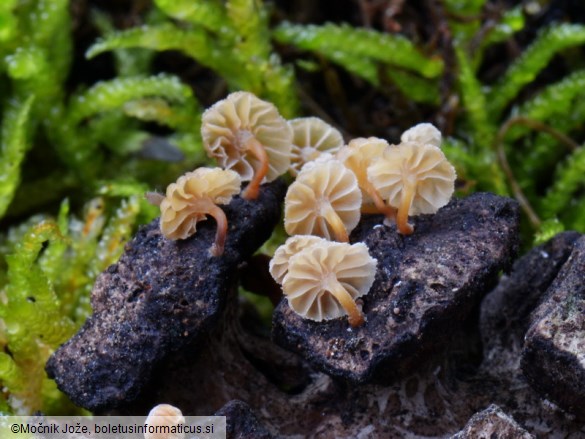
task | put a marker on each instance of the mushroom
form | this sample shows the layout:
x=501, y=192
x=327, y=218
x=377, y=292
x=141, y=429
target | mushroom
x=248, y=135
x=425, y=133
x=311, y=137
x=325, y=279
x=324, y=200
x=358, y=155
x=279, y=262
x=415, y=178
x=164, y=415
x=195, y=195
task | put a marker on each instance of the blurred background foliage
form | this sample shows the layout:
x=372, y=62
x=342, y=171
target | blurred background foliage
x=101, y=101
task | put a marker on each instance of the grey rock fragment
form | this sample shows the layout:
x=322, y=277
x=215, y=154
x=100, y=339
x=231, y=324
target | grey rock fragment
x=505, y=312
x=241, y=422
x=553, y=358
x=426, y=285
x=492, y=423
x=160, y=297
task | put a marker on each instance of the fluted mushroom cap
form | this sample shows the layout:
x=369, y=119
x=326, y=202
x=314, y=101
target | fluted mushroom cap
x=311, y=269
x=228, y=124
x=317, y=187
x=358, y=155
x=425, y=133
x=311, y=137
x=425, y=166
x=164, y=415
x=293, y=245
x=183, y=207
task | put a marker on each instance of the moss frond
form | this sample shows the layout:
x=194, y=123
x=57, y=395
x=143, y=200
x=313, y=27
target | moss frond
x=14, y=140
x=331, y=38
x=194, y=43
x=568, y=179
x=524, y=70
x=206, y=13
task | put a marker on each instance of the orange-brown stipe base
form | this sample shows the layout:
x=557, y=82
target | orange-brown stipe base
x=253, y=189
x=388, y=211
x=339, y=230
x=221, y=233
x=405, y=202
x=355, y=316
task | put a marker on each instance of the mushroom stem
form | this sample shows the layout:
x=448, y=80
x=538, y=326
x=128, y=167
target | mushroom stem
x=221, y=233
x=388, y=211
x=408, y=191
x=356, y=317
x=335, y=222
x=252, y=191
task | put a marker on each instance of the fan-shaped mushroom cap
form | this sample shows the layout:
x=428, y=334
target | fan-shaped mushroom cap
x=324, y=280
x=164, y=415
x=311, y=137
x=187, y=201
x=425, y=133
x=228, y=126
x=293, y=245
x=324, y=200
x=358, y=155
x=415, y=178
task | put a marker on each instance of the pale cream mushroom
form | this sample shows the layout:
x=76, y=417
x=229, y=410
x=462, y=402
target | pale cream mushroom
x=279, y=262
x=325, y=279
x=311, y=137
x=425, y=133
x=358, y=155
x=163, y=415
x=248, y=135
x=194, y=196
x=415, y=178
x=324, y=200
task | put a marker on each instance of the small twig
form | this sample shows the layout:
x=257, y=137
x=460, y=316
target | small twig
x=502, y=158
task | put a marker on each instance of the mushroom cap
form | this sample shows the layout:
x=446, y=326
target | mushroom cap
x=230, y=123
x=358, y=155
x=311, y=136
x=423, y=164
x=320, y=184
x=186, y=199
x=425, y=133
x=293, y=245
x=309, y=270
x=164, y=415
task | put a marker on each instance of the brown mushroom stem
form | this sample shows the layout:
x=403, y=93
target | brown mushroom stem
x=253, y=190
x=335, y=222
x=356, y=317
x=221, y=233
x=408, y=192
x=388, y=211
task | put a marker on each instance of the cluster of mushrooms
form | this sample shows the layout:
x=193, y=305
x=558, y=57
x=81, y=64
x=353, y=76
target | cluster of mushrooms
x=321, y=274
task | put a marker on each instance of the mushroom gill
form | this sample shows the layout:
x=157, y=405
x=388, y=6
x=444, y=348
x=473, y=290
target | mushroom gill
x=248, y=135
x=415, y=178
x=311, y=137
x=358, y=155
x=325, y=279
x=194, y=196
x=324, y=200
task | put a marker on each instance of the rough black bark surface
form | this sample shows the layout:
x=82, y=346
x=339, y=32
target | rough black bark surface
x=159, y=298
x=241, y=422
x=492, y=423
x=553, y=358
x=425, y=284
